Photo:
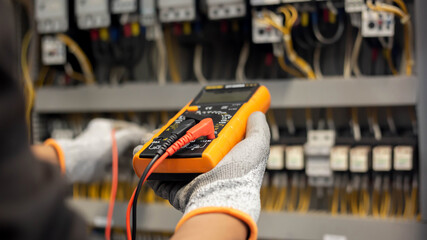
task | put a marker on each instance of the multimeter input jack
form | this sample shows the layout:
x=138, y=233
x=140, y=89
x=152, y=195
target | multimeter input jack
x=176, y=134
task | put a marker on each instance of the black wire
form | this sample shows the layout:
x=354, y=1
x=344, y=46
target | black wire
x=138, y=189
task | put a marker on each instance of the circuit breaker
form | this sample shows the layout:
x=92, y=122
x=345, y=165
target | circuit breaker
x=317, y=151
x=223, y=9
x=92, y=14
x=123, y=6
x=377, y=24
x=177, y=10
x=148, y=12
x=53, y=51
x=51, y=16
x=263, y=32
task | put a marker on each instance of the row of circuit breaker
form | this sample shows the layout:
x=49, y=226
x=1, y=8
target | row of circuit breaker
x=52, y=15
x=320, y=156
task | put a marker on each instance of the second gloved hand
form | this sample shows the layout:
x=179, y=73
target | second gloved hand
x=87, y=155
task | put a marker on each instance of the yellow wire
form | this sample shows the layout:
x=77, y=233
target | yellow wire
x=335, y=201
x=281, y=199
x=385, y=204
x=106, y=190
x=364, y=203
x=288, y=69
x=385, y=8
x=263, y=196
x=343, y=202
x=293, y=199
x=93, y=190
x=375, y=203
x=29, y=87
x=81, y=57
x=401, y=5
x=408, y=205
x=272, y=194
x=173, y=70
x=291, y=16
x=354, y=201
x=414, y=200
x=42, y=76
x=76, y=191
x=387, y=56
x=401, y=12
x=82, y=190
x=307, y=200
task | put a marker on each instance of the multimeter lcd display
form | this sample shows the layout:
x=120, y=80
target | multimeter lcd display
x=226, y=96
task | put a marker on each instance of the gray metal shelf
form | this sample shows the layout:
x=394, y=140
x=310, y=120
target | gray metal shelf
x=333, y=92
x=280, y=225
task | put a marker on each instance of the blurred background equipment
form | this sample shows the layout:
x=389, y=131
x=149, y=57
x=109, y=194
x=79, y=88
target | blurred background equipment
x=347, y=118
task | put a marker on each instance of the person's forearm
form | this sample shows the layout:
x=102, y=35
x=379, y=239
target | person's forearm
x=45, y=153
x=212, y=226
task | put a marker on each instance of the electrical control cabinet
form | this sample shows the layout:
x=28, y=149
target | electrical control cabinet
x=53, y=51
x=223, y=9
x=377, y=24
x=51, y=16
x=92, y=14
x=177, y=10
x=148, y=12
x=377, y=145
x=123, y=6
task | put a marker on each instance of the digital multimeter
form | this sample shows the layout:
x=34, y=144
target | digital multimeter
x=229, y=106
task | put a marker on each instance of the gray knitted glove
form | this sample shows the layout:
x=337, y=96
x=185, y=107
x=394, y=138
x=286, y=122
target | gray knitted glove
x=233, y=184
x=87, y=156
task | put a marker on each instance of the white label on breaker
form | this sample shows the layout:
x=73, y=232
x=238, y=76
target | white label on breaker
x=276, y=160
x=123, y=6
x=339, y=158
x=381, y=158
x=295, y=157
x=359, y=159
x=403, y=156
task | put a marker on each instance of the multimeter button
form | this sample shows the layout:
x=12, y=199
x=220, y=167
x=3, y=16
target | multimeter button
x=192, y=108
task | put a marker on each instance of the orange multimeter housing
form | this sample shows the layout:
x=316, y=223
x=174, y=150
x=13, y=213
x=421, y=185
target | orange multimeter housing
x=229, y=106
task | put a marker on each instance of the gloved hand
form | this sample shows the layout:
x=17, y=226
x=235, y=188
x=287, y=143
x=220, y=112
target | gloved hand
x=86, y=156
x=232, y=187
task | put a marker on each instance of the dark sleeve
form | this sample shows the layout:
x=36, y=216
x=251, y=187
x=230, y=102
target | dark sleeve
x=32, y=193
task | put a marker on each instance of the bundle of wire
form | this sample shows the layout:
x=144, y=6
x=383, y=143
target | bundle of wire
x=29, y=87
x=405, y=19
x=172, y=145
x=291, y=16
